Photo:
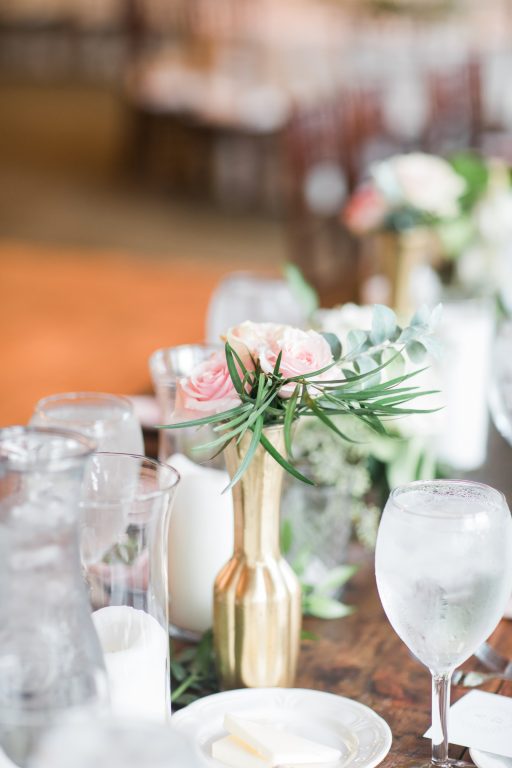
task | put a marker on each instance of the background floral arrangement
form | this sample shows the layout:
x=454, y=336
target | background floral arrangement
x=464, y=201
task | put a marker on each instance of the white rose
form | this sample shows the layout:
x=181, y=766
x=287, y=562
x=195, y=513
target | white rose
x=422, y=181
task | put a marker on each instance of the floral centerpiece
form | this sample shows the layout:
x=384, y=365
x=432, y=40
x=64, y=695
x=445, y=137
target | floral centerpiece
x=451, y=215
x=404, y=211
x=270, y=374
x=250, y=395
x=403, y=192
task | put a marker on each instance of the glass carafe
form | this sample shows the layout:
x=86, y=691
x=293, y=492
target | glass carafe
x=50, y=658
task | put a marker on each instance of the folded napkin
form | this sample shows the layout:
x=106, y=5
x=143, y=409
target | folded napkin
x=482, y=721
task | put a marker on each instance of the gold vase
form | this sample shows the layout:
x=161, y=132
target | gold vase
x=257, y=597
x=397, y=256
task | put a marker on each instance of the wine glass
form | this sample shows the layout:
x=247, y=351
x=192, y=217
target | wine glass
x=443, y=564
x=109, y=419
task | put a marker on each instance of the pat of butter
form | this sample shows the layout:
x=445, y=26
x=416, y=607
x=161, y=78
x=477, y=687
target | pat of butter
x=279, y=747
x=232, y=752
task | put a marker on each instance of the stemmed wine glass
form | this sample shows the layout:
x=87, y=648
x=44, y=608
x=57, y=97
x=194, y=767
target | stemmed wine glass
x=443, y=565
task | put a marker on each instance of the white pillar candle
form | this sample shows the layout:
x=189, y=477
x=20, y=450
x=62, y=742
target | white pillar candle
x=466, y=334
x=135, y=649
x=200, y=542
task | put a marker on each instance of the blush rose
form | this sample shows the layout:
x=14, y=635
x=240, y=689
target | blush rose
x=208, y=390
x=301, y=352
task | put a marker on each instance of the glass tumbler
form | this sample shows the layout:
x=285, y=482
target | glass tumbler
x=109, y=419
x=246, y=296
x=201, y=529
x=126, y=502
x=50, y=658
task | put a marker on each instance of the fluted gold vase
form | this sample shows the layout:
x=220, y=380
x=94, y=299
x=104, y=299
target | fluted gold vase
x=257, y=599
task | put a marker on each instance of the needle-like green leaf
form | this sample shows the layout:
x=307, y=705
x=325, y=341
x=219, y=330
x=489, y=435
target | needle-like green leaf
x=289, y=416
x=256, y=435
x=282, y=461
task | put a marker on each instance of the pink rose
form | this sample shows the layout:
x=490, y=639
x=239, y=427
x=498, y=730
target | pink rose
x=248, y=338
x=208, y=390
x=366, y=210
x=302, y=352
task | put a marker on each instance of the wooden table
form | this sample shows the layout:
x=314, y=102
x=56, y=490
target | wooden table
x=362, y=658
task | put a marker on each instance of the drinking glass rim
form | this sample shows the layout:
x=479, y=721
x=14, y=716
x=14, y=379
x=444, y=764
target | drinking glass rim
x=150, y=495
x=445, y=482
x=159, y=366
x=213, y=345
x=52, y=464
x=70, y=397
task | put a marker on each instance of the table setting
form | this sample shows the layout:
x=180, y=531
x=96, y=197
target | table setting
x=107, y=554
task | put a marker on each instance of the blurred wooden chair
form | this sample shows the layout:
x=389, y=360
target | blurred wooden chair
x=320, y=173
x=455, y=120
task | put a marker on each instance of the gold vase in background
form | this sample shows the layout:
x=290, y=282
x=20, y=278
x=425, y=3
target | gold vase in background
x=397, y=256
x=257, y=597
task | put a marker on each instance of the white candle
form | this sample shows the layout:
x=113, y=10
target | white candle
x=135, y=649
x=466, y=336
x=200, y=542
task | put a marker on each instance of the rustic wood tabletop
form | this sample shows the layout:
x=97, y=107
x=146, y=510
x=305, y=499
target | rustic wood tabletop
x=362, y=658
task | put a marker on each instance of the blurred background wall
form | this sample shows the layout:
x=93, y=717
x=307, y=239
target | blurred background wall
x=150, y=147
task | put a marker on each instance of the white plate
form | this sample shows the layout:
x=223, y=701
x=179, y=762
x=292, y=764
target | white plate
x=361, y=735
x=488, y=760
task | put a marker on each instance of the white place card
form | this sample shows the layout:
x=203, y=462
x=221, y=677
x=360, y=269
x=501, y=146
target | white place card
x=482, y=721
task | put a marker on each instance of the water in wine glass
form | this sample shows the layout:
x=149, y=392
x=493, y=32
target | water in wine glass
x=442, y=577
x=443, y=565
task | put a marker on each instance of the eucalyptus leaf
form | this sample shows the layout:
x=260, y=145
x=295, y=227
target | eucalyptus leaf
x=416, y=351
x=323, y=607
x=334, y=344
x=421, y=317
x=336, y=578
x=357, y=340
x=383, y=324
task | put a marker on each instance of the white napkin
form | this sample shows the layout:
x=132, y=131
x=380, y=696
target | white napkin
x=482, y=721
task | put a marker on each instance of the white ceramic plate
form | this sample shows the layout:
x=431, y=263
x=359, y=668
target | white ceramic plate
x=361, y=735
x=488, y=760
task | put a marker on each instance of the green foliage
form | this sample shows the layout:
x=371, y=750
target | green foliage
x=358, y=387
x=193, y=672
x=302, y=290
x=475, y=172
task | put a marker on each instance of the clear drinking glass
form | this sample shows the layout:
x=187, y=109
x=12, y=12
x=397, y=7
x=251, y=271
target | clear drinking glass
x=125, y=507
x=201, y=529
x=443, y=565
x=245, y=296
x=109, y=419
x=50, y=658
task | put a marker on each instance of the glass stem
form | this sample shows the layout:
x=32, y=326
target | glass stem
x=440, y=707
